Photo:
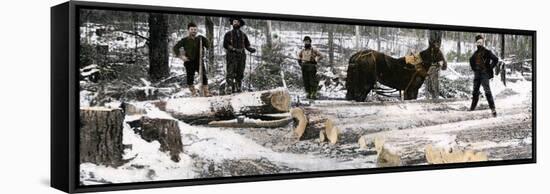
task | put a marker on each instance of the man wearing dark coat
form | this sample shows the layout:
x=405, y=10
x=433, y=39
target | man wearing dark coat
x=482, y=63
x=235, y=43
x=191, y=55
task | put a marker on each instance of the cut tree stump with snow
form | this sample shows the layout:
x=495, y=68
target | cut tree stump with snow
x=202, y=110
x=165, y=131
x=311, y=123
x=101, y=136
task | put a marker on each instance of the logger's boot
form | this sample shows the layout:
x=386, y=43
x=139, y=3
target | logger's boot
x=193, y=90
x=494, y=112
x=313, y=94
x=238, y=86
x=475, y=98
x=204, y=91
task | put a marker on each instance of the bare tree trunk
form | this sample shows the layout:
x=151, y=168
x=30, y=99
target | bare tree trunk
x=378, y=39
x=101, y=136
x=357, y=38
x=459, y=46
x=269, y=42
x=502, y=46
x=330, y=45
x=210, y=52
x=158, y=47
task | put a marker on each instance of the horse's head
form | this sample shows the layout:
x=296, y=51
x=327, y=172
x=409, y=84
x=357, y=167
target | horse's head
x=416, y=63
x=413, y=59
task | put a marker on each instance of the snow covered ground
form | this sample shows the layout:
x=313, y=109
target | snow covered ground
x=212, y=152
x=217, y=152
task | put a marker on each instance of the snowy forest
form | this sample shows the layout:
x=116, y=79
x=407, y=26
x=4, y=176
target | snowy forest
x=139, y=122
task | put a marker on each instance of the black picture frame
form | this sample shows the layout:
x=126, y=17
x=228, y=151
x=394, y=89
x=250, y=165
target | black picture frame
x=65, y=92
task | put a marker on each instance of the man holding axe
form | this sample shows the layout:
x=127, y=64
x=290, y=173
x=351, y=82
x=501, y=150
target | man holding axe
x=192, y=55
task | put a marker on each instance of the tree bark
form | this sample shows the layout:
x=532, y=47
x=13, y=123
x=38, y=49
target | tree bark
x=101, y=136
x=158, y=47
x=206, y=109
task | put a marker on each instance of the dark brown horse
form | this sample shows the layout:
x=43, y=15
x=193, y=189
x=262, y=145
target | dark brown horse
x=367, y=67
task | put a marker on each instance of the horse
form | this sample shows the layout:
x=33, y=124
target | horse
x=367, y=67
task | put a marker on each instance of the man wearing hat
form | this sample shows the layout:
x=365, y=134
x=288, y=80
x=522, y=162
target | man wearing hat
x=235, y=42
x=307, y=59
x=482, y=63
x=192, y=55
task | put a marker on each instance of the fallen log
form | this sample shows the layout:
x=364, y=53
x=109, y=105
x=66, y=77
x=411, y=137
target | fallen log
x=202, y=110
x=101, y=136
x=251, y=123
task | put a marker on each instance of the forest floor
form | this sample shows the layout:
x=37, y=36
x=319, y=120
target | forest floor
x=217, y=152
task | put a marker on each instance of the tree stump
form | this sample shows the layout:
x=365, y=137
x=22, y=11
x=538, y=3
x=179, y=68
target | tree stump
x=101, y=136
x=165, y=131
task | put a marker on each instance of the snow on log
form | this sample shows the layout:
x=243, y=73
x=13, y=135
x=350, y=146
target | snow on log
x=202, y=110
x=165, y=131
x=101, y=136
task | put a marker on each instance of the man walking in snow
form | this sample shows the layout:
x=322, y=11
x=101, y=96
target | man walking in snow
x=235, y=42
x=192, y=55
x=482, y=63
x=307, y=59
x=436, y=61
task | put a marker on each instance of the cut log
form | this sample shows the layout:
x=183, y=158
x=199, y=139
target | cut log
x=202, y=110
x=322, y=136
x=310, y=123
x=251, y=123
x=331, y=132
x=443, y=156
x=132, y=109
x=101, y=136
x=393, y=152
x=165, y=131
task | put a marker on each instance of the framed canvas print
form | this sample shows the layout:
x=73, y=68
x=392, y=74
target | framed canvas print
x=148, y=96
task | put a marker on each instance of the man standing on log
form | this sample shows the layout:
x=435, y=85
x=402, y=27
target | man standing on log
x=434, y=59
x=307, y=59
x=235, y=42
x=192, y=55
x=482, y=63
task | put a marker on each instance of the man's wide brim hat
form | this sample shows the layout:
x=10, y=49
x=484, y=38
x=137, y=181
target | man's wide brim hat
x=241, y=21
